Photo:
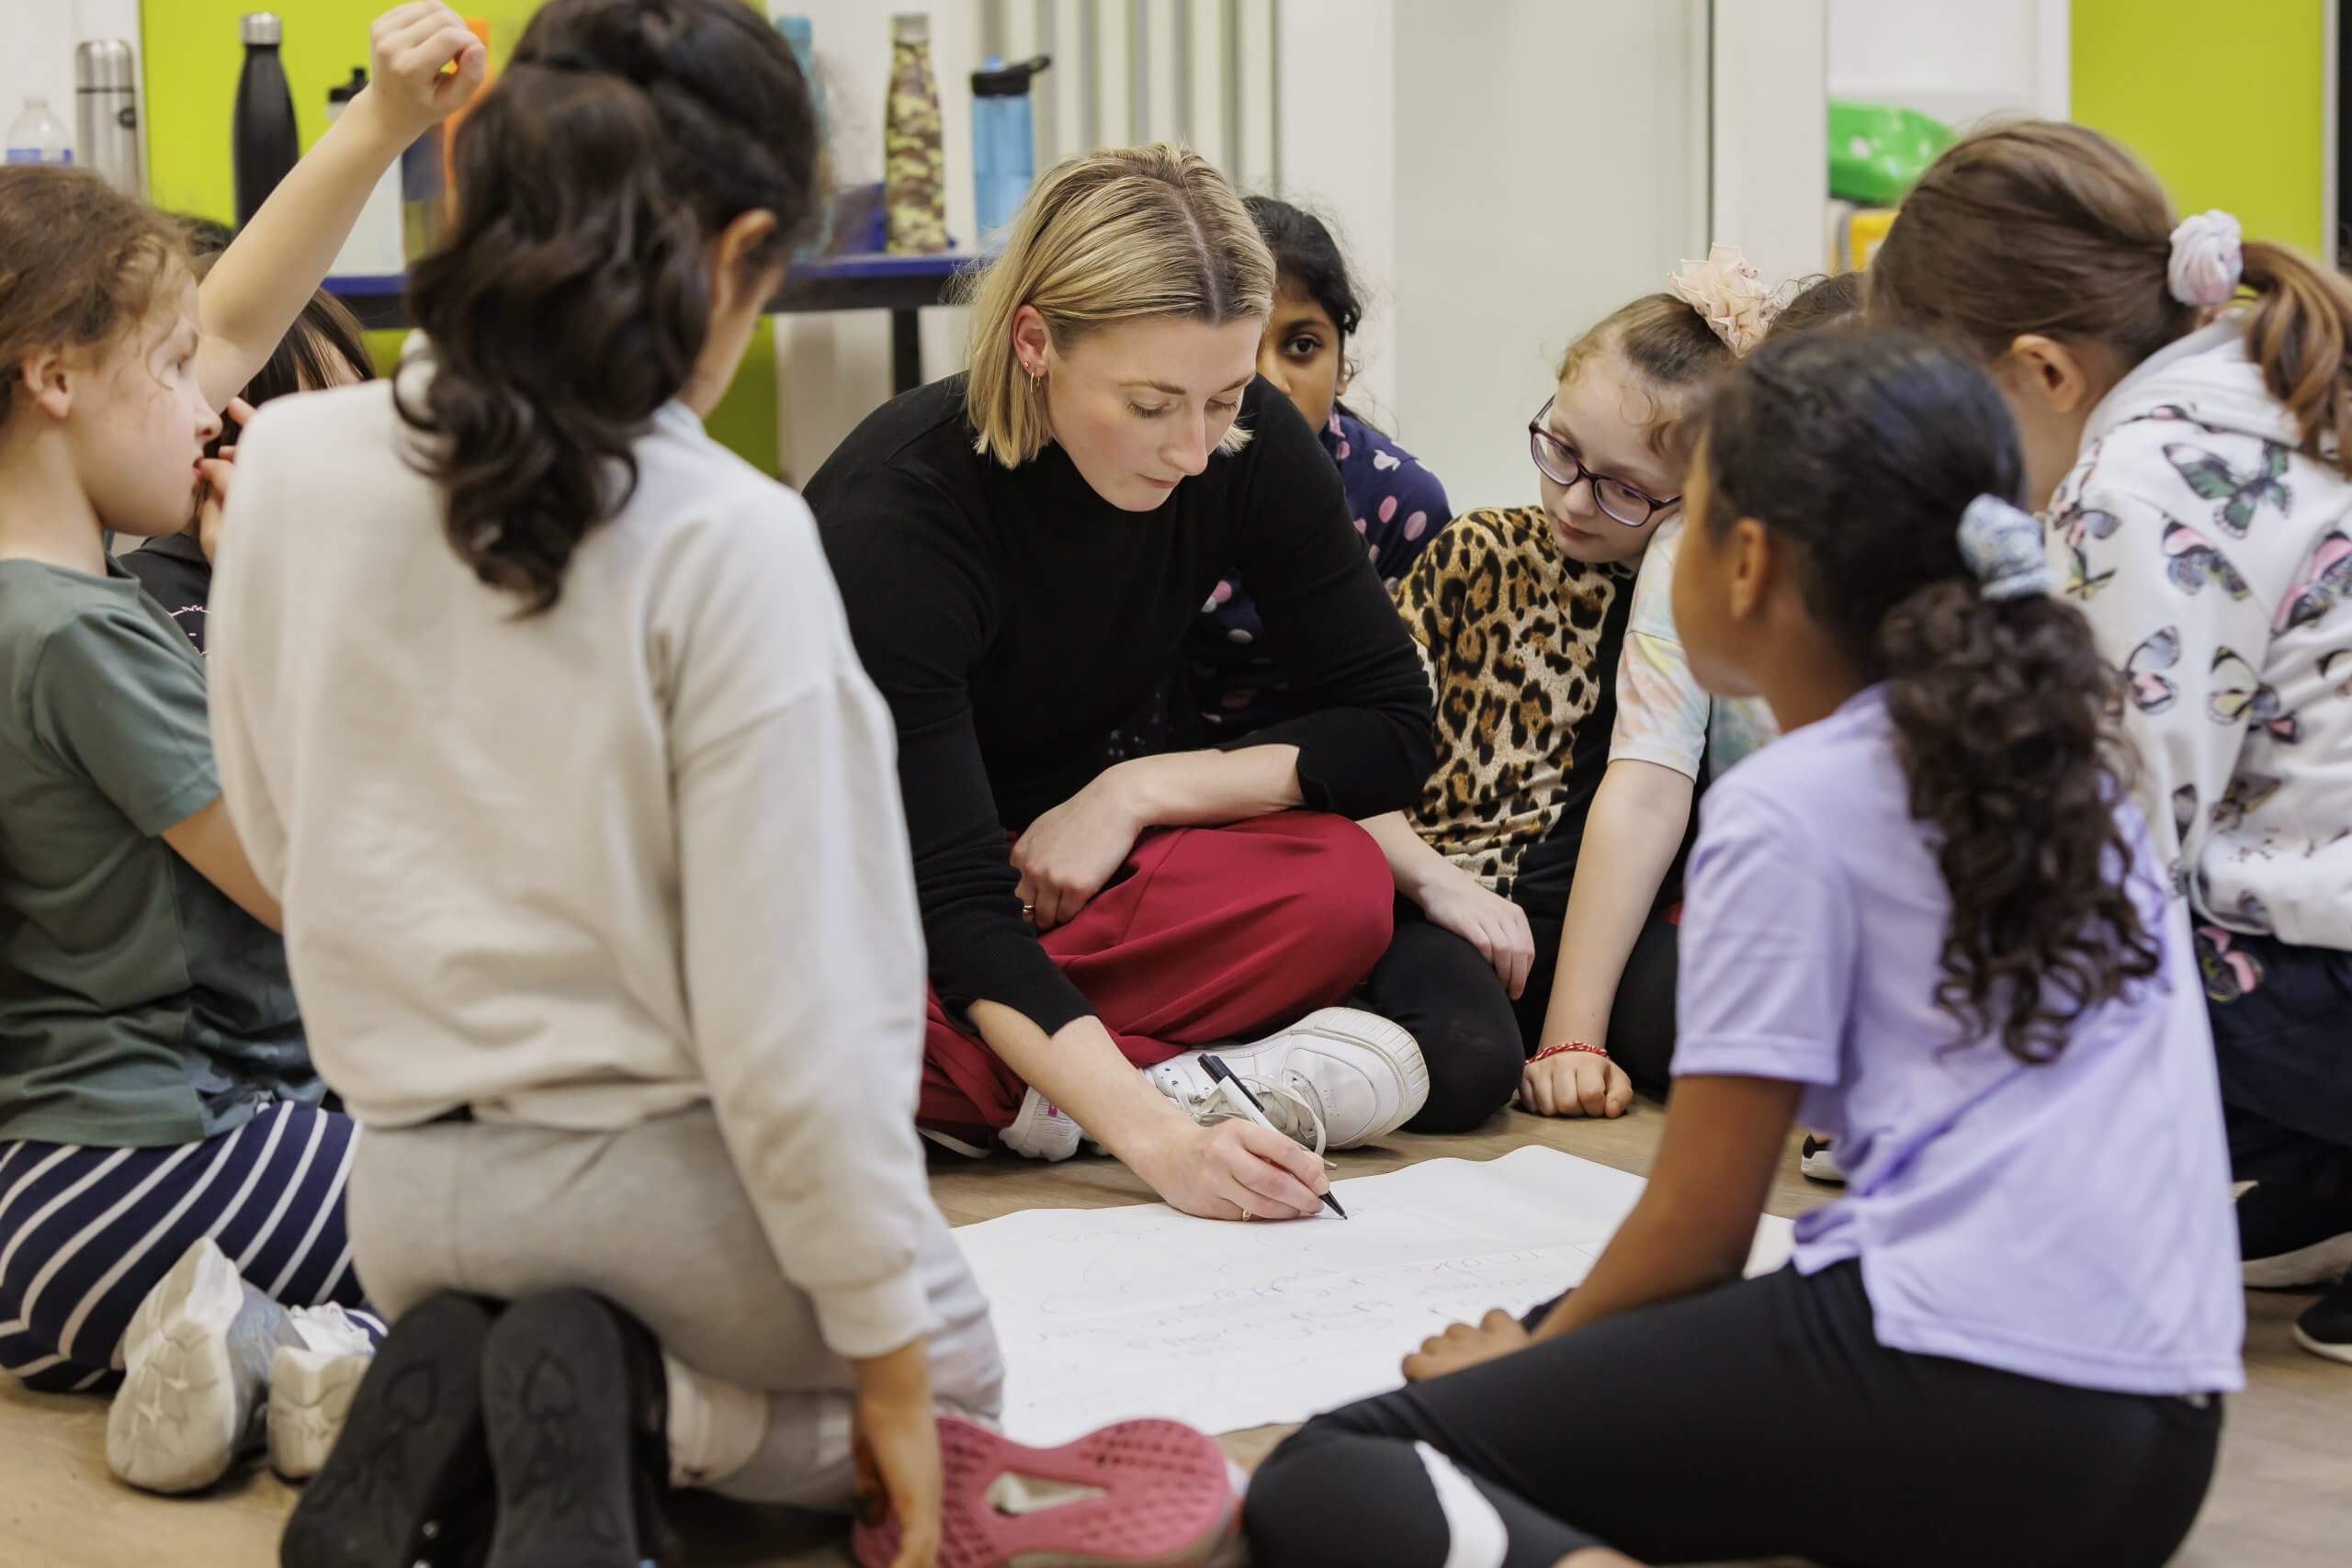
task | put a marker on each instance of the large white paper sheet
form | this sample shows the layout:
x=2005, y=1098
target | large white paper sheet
x=1106, y=1314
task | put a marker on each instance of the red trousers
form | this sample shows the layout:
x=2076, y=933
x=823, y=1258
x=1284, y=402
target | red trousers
x=1205, y=935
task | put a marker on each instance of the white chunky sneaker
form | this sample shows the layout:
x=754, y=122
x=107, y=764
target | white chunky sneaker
x=310, y=1385
x=1042, y=1131
x=196, y=1366
x=1336, y=1078
x=309, y=1398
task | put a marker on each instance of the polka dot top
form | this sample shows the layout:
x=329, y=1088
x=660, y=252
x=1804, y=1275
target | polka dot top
x=1397, y=505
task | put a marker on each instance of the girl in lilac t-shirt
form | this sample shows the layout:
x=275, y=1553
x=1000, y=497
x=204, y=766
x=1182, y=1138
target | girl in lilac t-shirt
x=1927, y=923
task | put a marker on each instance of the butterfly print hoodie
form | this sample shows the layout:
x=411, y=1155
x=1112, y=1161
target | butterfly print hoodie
x=2214, y=560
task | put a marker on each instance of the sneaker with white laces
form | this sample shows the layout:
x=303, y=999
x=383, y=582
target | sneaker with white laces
x=1042, y=1130
x=195, y=1370
x=1336, y=1078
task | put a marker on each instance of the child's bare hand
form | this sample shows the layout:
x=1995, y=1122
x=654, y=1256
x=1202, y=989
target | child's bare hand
x=212, y=497
x=212, y=502
x=1464, y=1345
x=1576, y=1083
x=409, y=50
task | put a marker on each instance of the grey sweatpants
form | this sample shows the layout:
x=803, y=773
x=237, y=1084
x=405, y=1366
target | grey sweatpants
x=654, y=1219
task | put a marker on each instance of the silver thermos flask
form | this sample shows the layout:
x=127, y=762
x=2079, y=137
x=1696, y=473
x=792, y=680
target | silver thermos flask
x=106, y=113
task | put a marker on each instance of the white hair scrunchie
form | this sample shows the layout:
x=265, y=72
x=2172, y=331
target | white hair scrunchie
x=1730, y=296
x=2001, y=542
x=2207, y=259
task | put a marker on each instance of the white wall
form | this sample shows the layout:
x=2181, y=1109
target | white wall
x=1551, y=164
x=1770, y=135
x=1957, y=60
x=37, y=39
x=1335, y=152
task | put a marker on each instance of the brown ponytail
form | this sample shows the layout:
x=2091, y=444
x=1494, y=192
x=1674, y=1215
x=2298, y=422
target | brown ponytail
x=574, y=297
x=2038, y=227
x=2301, y=333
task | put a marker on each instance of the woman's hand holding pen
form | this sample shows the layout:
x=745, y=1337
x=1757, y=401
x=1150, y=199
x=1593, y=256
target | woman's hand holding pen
x=1232, y=1170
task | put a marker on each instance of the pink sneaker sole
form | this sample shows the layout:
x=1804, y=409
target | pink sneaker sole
x=1167, y=1501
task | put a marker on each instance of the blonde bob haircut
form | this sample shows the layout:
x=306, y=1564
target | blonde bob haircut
x=1120, y=233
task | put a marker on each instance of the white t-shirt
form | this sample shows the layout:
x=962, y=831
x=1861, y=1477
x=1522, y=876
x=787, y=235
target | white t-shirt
x=580, y=869
x=1663, y=715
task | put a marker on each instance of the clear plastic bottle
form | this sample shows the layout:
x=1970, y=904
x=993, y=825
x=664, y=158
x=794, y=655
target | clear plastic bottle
x=914, y=182
x=37, y=138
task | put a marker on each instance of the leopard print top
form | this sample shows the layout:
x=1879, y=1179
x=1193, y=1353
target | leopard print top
x=1520, y=644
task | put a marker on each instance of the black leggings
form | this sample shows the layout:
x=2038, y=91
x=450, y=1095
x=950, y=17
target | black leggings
x=1759, y=1420
x=2283, y=1038
x=1475, y=1039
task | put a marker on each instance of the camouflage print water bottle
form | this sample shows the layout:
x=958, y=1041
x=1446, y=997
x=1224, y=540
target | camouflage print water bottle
x=914, y=184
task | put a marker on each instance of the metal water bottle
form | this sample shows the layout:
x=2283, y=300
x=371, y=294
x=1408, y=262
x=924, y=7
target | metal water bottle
x=106, y=113
x=262, y=138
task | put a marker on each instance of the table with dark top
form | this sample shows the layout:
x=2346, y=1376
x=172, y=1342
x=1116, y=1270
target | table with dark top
x=901, y=285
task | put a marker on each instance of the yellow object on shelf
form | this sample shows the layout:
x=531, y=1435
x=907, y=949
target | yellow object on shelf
x=1856, y=233
x=1866, y=233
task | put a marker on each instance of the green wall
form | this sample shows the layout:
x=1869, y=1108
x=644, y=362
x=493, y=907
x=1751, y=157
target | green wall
x=188, y=102
x=2225, y=103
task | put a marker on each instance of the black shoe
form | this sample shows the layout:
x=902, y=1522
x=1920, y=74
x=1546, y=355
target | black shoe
x=2326, y=1327
x=2288, y=1239
x=408, y=1482
x=1819, y=1162
x=577, y=1408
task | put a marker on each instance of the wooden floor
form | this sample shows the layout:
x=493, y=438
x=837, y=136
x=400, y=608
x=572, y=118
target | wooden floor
x=2283, y=1500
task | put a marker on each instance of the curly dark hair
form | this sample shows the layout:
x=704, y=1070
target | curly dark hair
x=1863, y=446
x=573, y=297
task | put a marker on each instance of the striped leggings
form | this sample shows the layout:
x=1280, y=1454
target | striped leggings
x=86, y=1232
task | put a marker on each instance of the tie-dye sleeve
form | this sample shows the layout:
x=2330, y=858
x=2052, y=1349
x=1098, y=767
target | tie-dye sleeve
x=1661, y=712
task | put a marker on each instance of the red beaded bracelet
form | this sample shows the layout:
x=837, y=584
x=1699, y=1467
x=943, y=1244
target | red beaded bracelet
x=1563, y=1048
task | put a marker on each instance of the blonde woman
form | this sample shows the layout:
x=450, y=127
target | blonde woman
x=1020, y=550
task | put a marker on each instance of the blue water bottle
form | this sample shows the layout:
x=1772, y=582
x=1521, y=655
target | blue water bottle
x=1004, y=147
x=800, y=36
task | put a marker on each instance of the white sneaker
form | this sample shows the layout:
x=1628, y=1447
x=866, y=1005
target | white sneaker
x=196, y=1365
x=310, y=1385
x=309, y=1398
x=1337, y=1078
x=1042, y=1131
